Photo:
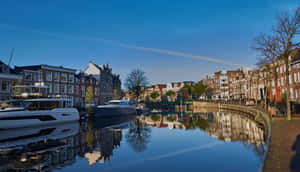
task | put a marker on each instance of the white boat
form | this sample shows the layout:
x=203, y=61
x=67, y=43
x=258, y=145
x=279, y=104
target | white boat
x=116, y=107
x=33, y=112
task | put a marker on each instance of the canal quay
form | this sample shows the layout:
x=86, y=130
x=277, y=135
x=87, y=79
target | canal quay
x=143, y=86
x=215, y=138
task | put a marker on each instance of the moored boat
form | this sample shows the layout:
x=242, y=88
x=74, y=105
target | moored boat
x=33, y=112
x=115, y=108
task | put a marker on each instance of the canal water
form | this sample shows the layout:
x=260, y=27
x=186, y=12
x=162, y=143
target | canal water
x=214, y=141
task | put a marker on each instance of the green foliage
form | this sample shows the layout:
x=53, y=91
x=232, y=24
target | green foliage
x=171, y=118
x=89, y=109
x=136, y=81
x=170, y=93
x=89, y=138
x=201, y=124
x=154, y=95
x=188, y=88
x=155, y=117
x=89, y=96
x=17, y=91
x=199, y=89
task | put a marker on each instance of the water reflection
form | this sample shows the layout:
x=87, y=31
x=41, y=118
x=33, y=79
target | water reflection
x=55, y=147
x=224, y=126
x=138, y=135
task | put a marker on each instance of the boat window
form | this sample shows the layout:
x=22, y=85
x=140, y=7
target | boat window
x=43, y=105
x=123, y=103
x=114, y=103
x=13, y=104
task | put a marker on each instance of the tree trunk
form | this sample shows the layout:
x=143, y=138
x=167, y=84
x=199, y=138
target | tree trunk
x=276, y=84
x=257, y=90
x=287, y=83
x=265, y=89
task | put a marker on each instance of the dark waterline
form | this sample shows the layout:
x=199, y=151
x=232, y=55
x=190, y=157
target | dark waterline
x=175, y=142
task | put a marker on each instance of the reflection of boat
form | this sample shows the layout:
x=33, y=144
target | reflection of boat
x=28, y=138
x=112, y=122
x=115, y=108
x=44, y=111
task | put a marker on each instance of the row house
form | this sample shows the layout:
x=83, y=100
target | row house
x=163, y=88
x=160, y=88
x=59, y=80
x=251, y=84
x=174, y=86
x=8, y=78
x=117, y=91
x=83, y=82
x=229, y=84
x=106, y=80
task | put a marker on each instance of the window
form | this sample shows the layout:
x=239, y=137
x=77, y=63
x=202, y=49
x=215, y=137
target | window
x=290, y=79
x=56, y=88
x=64, y=77
x=282, y=81
x=82, y=91
x=295, y=77
x=48, y=76
x=49, y=88
x=71, y=78
x=28, y=76
x=56, y=76
x=63, y=89
x=35, y=76
x=70, y=89
x=4, y=86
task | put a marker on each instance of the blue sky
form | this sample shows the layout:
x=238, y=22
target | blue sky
x=72, y=33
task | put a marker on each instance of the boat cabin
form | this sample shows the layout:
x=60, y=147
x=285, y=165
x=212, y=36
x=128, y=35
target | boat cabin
x=34, y=104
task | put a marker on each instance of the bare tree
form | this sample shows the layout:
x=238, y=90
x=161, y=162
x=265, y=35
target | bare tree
x=286, y=29
x=279, y=46
x=267, y=46
x=136, y=81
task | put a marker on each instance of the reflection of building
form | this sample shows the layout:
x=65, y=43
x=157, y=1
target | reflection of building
x=224, y=126
x=103, y=143
x=49, y=148
x=234, y=127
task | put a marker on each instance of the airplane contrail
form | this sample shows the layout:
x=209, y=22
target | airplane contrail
x=141, y=48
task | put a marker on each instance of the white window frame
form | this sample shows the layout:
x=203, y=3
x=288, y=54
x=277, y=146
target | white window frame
x=48, y=76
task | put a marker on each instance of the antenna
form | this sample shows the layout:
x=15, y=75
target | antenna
x=11, y=56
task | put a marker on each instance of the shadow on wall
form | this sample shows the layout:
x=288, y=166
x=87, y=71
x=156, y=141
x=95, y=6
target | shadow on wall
x=295, y=162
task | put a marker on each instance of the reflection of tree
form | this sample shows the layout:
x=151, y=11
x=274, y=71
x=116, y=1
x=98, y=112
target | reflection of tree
x=155, y=117
x=138, y=136
x=201, y=124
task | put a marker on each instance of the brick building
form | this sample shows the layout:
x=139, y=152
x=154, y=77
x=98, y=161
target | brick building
x=106, y=80
x=8, y=78
x=82, y=83
x=59, y=80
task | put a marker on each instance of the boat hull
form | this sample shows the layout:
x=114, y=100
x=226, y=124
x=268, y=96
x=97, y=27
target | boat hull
x=19, y=119
x=109, y=112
